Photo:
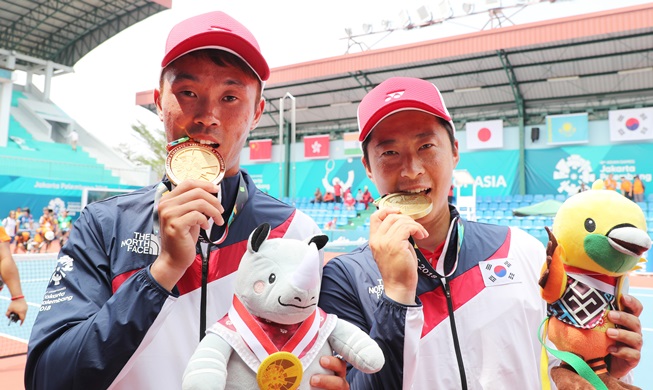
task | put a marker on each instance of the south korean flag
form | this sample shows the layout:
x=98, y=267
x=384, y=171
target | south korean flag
x=498, y=272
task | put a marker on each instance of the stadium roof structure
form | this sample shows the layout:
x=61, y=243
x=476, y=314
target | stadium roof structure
x=588, y=63
x=34, y=32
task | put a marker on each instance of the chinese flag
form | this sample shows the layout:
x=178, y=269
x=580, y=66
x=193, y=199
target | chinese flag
x=316, y=146
x=260, y=150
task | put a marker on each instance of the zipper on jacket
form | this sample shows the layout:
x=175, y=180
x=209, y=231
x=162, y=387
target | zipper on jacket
x=205, y=252
x=454, y=332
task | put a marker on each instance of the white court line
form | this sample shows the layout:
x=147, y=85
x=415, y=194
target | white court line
x=13, y=338
x=28, y=303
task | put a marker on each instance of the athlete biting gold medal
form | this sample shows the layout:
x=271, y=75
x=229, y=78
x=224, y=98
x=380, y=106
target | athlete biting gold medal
x=192, y=160
x=414, y=205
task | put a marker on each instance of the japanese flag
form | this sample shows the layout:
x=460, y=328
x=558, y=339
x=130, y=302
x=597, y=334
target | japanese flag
x=484, y=135
x=316, y=146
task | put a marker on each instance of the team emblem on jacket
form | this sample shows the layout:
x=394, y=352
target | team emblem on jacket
x=63, y=267
x=499, y=271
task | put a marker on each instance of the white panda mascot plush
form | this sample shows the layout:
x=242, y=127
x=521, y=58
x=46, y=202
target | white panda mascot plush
x=274, y=325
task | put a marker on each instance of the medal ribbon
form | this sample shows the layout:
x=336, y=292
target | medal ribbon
x=259, y=342
x=241, y=199
x=423, y=264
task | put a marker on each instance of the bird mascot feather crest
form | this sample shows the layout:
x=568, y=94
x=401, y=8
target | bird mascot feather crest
x=274, y=325
x=598, y=237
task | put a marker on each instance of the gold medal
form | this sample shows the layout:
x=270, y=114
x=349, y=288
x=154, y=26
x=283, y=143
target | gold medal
x=415, y=206
x=192, y=160
x=280, y=371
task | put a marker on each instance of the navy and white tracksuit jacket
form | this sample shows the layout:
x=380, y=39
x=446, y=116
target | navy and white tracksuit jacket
x=105, y=322
x=497, y=310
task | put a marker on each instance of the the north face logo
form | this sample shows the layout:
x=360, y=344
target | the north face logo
x=144, y=243
x=394, y=95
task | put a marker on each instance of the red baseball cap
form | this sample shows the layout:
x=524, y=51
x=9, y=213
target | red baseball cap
x=398, y=94
x=215, y=30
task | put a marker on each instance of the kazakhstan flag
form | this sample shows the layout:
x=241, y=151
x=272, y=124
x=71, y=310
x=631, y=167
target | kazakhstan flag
x=567, y=129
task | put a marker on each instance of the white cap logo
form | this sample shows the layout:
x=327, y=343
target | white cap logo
x=394, y=95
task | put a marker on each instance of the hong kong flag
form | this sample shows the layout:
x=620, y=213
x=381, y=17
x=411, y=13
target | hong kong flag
x=316, y=146
x=260, y=150
x=484, y=135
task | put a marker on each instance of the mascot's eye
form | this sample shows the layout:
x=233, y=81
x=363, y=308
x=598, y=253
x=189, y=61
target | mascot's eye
x=272, y=278
x=590, y=225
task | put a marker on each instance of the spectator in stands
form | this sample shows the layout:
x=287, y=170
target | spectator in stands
x=317, y=198
x=404, y=285
x=582, y=186
x=359, y=196
x=64, y=223
x=22, y=241
x=367, y=197
x=46, y=231
x=337, y=190
x=638, y=189
x=330, y=224
x=610, y=183
x=9, y=276
x=26, y=221
x=130, y=299
x=626, y=188
x=74, y=137
x=350, y=201
x=328, y=197
x=450, y=197
x=11, y=225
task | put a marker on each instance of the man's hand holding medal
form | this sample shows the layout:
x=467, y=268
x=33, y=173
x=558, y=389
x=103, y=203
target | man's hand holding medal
x=196, y=170
x=390, y=230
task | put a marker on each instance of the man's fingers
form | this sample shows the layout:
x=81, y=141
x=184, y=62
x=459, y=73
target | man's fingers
x=632, y=305
x=331, y=382
x=390, y=222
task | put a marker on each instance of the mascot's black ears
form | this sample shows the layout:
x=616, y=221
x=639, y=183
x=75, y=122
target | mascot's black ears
x=319, y=241
x=259, y=235
x=262, y=232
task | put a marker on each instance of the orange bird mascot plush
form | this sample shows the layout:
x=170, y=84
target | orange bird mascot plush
x=598, y=237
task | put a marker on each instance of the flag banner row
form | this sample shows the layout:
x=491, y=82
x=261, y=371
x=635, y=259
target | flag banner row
x=567, y=129
x=316, y=146
x=631, y=125
x=352, y=144
x=484, y=135
x=260, y=150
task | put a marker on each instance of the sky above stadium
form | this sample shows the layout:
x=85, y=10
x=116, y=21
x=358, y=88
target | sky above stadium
x=100, y=94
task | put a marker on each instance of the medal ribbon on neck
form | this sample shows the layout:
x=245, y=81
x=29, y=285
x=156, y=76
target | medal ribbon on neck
x=426, y=268
x=259, y=342
x=241, y=199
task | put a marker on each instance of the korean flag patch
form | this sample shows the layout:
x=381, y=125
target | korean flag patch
x=497, y=272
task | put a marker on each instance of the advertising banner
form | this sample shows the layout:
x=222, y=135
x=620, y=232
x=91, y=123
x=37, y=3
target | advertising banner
x=560, y=170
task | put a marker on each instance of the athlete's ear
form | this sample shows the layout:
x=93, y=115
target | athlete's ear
x=157, y=102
